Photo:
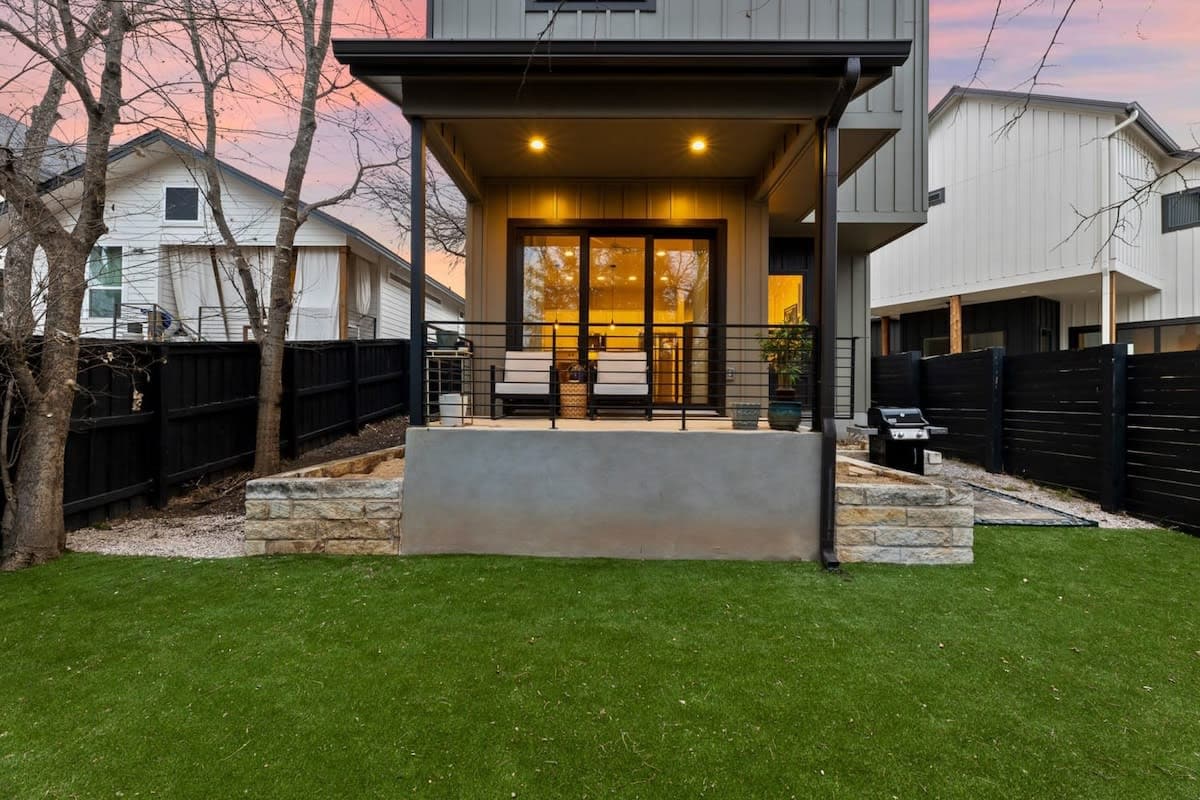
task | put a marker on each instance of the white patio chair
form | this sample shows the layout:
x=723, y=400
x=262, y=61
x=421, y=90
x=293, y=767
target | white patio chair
x=528, y=382
x=620, y=380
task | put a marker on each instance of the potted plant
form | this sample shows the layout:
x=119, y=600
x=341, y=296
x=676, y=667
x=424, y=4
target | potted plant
x=788, y=350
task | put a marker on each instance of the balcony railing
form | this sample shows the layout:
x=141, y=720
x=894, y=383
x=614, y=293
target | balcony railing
x=547, y=370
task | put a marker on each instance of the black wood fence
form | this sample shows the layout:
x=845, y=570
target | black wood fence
x=1121, y=429
x=150, y=418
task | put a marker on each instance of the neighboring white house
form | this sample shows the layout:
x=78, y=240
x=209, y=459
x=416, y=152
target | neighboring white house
x=1019, y=231
x=161, y=270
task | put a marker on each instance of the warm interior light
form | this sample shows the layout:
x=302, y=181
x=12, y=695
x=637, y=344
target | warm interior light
x=661, y=253
x=568, y=253
x=537, y=144
x=698, y=145
x=632, y=278
x=664, y=279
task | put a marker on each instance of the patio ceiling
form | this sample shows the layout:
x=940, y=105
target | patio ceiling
x=616, y=109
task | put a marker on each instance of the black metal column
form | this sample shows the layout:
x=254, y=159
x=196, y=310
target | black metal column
x=416, y=357
x=827, y=264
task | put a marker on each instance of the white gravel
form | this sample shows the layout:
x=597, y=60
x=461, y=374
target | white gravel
x=1059, y=501
x=199, y=536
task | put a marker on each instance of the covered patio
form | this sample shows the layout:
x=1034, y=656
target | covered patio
x=594, y=158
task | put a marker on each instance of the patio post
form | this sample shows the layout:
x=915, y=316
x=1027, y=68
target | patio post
x=416, y=344
x=827, y=265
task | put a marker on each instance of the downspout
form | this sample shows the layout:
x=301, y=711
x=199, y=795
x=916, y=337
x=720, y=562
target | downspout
x=1107, y=323
x=827, y=253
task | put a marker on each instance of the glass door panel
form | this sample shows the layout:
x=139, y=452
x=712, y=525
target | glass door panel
x=680, y=288
x=616, y=293
x=551, y=295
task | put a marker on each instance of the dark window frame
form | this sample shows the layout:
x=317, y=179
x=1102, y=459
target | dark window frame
x=167, y=206
x=1156, y=324
x=1166, y=204
x=590, y=5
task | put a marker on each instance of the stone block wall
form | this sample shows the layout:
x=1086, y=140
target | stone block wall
x=903, y=520
x=307, y=512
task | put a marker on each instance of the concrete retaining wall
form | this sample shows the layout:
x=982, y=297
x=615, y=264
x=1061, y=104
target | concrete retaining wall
x=616, y=493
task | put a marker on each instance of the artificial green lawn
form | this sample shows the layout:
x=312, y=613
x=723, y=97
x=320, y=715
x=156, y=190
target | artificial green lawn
x=1065, y=663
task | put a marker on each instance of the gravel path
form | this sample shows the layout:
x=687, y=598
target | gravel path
x=193, y=536
x=1080, y=507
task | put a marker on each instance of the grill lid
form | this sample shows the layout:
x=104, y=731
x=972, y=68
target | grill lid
x=885, y=417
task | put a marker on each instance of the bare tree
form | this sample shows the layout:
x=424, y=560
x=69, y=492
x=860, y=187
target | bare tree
x=80, y=46
x=288, y=45
x=445, y=212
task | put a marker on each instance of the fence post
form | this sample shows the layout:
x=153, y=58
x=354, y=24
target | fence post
x=994, y=449
x=162, y=493
x=1113, y=408
x=291, y=390
x=355, y=354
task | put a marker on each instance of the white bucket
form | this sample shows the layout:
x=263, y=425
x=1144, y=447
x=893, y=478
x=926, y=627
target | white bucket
x=451, y=407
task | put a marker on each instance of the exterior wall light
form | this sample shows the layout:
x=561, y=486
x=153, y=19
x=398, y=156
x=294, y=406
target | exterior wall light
x=698, y=145
x=537, y=144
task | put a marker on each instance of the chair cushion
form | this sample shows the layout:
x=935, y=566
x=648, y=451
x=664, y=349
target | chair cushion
x=616, y=368
x=532, y=389
x=528, y=368
x=620, y=389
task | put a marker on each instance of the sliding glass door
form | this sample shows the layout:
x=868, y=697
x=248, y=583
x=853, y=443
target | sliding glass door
x=622, y=290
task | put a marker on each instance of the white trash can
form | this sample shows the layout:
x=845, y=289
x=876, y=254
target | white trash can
x=451, y=407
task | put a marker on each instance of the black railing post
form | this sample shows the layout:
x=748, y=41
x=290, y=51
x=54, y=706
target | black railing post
x=1113, y=410
x=355, y=354
x=994, y=447
x=688, y=333
x=162, y=458
x=553, y=377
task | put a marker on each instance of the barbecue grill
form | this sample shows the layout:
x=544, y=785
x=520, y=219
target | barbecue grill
x=898, y=437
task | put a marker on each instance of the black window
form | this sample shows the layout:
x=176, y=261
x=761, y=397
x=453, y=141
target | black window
x=182, y=204
x=590, y=5
x=1181, y=210
x=937, y=197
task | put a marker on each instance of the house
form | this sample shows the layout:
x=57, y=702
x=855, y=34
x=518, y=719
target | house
x=1048, y=229
x=654, y=184
x=161, y=271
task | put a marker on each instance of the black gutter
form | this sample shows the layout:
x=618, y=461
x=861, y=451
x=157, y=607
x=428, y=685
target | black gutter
x=507, y=57
x=827, y=256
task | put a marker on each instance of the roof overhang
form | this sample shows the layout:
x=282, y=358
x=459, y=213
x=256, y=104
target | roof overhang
x=624, y=106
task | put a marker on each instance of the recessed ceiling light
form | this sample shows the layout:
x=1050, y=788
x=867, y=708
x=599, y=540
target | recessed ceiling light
x=632, y=278
x=698, y=144
x=661, y=253
x=569, y=253
x=537, y=144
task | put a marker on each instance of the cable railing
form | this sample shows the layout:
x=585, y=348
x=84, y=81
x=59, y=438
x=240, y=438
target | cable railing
x=684, y=371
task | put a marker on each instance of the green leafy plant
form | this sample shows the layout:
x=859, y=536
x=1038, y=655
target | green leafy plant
x=788, y=349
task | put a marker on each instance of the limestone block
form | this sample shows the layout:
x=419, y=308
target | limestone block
x=945, y=517
x=327, y=509
x=871, y=515
x=913, y=537
x=255, y=547
x=855, y=536
x=383, y=509
x=961, y=537
x=361, y=547
x=905, y=495
x=279, y=509
x=364, y=488
x=933, y=555
x=960, y=497
x=275, y=529
x=851, y=495
x=258, y=509
x=285, y=547
x=864, y=554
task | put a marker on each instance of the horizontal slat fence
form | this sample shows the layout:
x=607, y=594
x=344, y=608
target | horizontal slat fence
x=1163, y=438
x=1052, y=419
x=960, y=393
x=1122, y=429
x=896, y=380
x=151, y=418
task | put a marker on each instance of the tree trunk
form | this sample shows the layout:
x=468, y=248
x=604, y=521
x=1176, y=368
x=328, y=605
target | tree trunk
x=38, y=534
x=270, y=397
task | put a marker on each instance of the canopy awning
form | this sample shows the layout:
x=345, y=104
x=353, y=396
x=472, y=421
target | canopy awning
x=626, y=108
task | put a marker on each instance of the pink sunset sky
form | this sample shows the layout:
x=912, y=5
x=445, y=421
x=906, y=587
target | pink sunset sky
x=1144, y=50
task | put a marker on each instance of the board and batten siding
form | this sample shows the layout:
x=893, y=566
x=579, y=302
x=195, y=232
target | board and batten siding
x=891, y=182
x=1010, y=213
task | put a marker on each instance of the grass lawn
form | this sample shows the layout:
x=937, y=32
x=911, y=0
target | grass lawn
x=1065, y=663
